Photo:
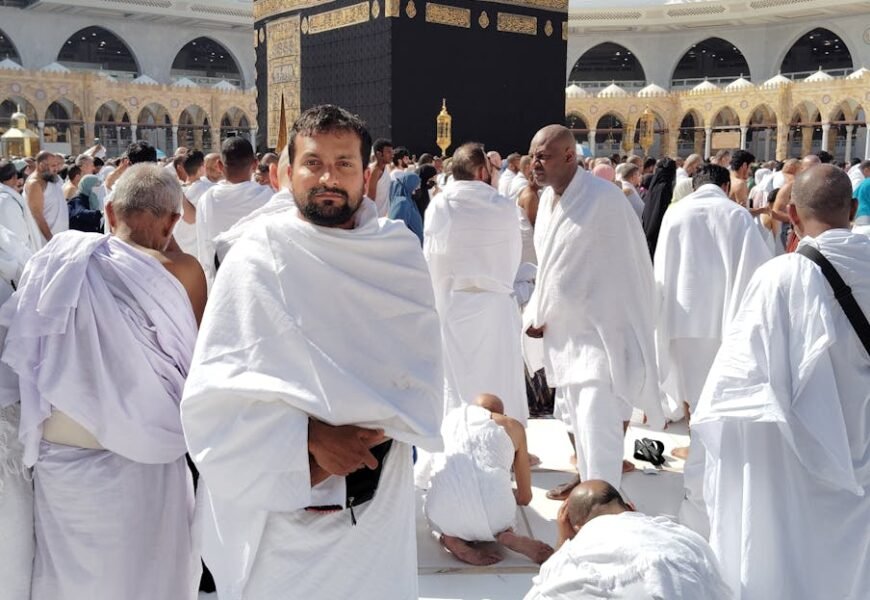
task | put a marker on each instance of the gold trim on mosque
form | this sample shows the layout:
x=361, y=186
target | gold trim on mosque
x=443, y=14
x=551, y=5
x=512, y=23
x=392, y=8
x=355, y=14
x=270, y=8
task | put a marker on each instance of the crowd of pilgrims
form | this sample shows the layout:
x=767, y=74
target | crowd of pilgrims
x=310, y=336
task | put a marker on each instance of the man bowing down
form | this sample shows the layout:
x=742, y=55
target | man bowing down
x=592, y=305
x=309, y=385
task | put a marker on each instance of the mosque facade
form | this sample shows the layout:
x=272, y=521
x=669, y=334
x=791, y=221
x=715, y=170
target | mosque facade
x=171, y=72
x=782, y=78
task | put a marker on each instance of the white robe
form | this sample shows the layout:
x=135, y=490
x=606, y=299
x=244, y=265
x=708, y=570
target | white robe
x=16, y=510
x=593, y=295
x=503, y=185
x=54, y=208
x=518, y=184
x=682, y=188
x=784, y=423
x=217, y=211
x=470, y=492
x=15, y=215
x=104, y=333
x=633, y=198
x=709, y=248
x=632, y=556
x=382, y=193
x=306, y=321
x=185, y=233
x=473, y=246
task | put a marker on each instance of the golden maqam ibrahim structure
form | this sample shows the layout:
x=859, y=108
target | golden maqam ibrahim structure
x=171, y=72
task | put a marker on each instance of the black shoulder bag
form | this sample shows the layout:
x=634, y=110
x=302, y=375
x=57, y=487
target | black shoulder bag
x=842, y=292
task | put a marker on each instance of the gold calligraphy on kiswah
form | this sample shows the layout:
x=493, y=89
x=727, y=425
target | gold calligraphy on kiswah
x=284, y=64
x=551, y=5
x=338, y=18
x=443, y=14
x=270, y=8
x=512, y=23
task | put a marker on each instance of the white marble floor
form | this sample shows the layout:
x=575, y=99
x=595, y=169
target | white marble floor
x=653, y=490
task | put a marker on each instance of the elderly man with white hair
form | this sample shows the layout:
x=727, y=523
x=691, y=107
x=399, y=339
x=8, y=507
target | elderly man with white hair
x=97, y=342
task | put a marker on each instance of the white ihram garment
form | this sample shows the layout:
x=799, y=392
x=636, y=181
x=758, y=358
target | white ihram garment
x=16, y=509
x=504, y=182
x=15, y=216
x=784, y=425
x=306, y=321
x=593, y=295
x=470, y=493
x=184, y=232
x=632, y=556
x=382, y=193
x=473, y=246
x=104, y=333
x=218, y=210
x=54, y=208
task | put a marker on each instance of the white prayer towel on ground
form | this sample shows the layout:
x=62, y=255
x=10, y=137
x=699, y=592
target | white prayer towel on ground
x=631, y=556
x=783, y=422
x=470, y=492
x=104, y=333
x=306, y=321
x=219, y=208
x=473, y=247
x=593, y=293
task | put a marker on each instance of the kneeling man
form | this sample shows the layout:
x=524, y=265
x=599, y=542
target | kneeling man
x=471, y=497
x=606, y=550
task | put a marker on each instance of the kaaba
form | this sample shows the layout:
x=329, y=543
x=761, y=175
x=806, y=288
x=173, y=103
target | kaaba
x=499, y=64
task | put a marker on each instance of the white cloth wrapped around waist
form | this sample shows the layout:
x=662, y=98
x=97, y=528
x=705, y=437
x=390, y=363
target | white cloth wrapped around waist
x=470, y=494
x=104, y=333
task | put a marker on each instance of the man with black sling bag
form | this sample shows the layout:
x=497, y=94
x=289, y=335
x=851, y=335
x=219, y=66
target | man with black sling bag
x=785, y=414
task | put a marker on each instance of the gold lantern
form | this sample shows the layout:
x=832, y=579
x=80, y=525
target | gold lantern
x=647, y=125
x=18, y=139
x=443, y=129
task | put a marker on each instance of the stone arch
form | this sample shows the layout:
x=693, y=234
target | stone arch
x=805, y=130
x=98, y=48
x=841, y=58
x=235, y=122
x=690, y=138
x=11, y=104
x=577, y=122
x=65, y=123
x=8, y=49
x=607, y=62
x=847, y=121
x=761, y=123
x=609, y=131
x=194, y=128
x=712, y=58
x=725, y=118
x=112, y=127
x=207, y=61
x=154, y=125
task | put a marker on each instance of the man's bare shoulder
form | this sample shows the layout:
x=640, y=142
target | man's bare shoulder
x=514, y=428
x=32, y=183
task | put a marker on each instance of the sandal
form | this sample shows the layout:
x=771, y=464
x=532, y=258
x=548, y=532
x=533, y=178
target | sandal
x=650, y=451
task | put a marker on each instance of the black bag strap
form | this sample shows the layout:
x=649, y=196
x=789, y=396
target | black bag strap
x=842, y=292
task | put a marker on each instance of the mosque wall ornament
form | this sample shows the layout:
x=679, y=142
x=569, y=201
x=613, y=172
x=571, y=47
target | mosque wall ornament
x=411, y=9
x=271, y=8
x=376, y=9
x=483, y=21
x=392, y=8
x=442, y=14
x=304, y=25
x=512, y=23
x=284, y=59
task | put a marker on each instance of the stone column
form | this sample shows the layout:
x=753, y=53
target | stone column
x=216, y=139
x=767, y=144
x=133, y=129
x=867, y=142
x=592, y=141
x=708, y=142
x=744, y=137
x=41, y=127
x=252, y=132
x=781, y=140
x=826, y=136
x=806, y=140
x=174, y=140
x=197, y=138
x=89, y=135
x=671, y=141
x=120, y=140
x=849, y=129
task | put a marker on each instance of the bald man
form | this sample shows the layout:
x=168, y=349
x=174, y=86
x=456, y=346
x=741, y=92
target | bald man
x=779, y=211
x=597, y=329
x=606, y=550
x=683, y=186
x=507, y=177
x=521, y=180
x=783, y=416
x=605, y=172
x=471, y=498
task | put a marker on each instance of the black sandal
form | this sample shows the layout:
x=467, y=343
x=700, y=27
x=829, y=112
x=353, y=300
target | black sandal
x=650, y=451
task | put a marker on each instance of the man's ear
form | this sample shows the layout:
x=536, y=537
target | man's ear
x=367, y=175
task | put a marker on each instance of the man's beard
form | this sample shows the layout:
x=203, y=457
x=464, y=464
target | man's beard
x=48, y=177
x=329, y=215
